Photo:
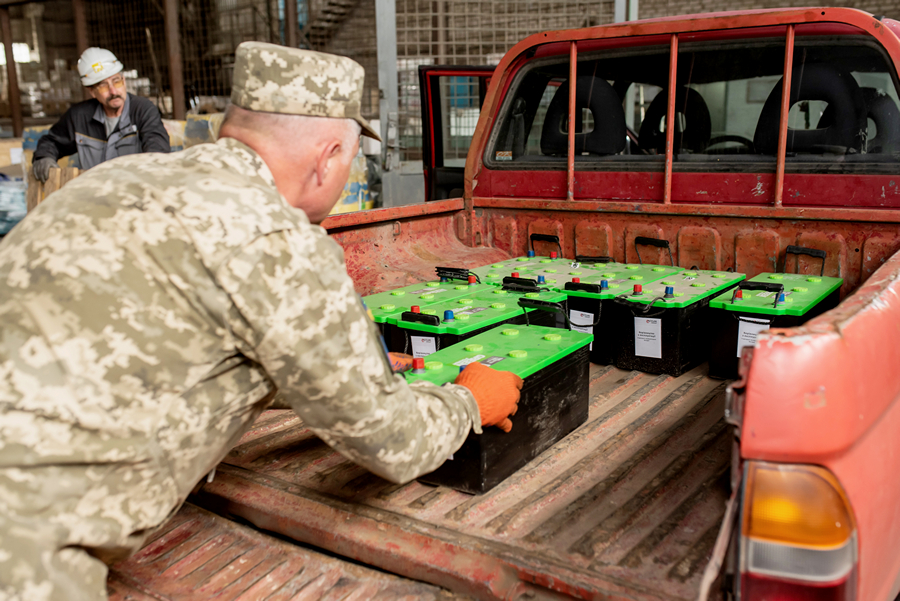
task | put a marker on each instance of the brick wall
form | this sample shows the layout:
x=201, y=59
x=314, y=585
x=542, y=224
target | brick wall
x=663, y=8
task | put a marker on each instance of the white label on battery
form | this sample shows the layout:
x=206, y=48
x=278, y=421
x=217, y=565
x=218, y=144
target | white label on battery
x=429, y=291
x=747, y=331
x=581, y=318
x=422, y=346
x=765, y=294
x=648, y=337
x=466, y=361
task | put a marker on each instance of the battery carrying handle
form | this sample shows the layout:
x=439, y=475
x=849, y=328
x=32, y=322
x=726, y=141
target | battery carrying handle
x=455, y=273
x=542, y=305
x=657, y=242
x=578, y=286
x=802, y=250
x=778, y=289
x=519, y=283
x=636, y=309
x=545, y=238
x=588, y=259
x=522, y=286
x=429, y=320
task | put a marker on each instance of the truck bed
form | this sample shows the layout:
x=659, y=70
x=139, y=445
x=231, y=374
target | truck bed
x=626, y=507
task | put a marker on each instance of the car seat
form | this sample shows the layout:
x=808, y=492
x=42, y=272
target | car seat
x=596, y=95
x=816, y=81
x=693, y=124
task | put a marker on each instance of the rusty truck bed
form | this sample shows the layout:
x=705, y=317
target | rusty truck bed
x=198, y=555
x=628, y=506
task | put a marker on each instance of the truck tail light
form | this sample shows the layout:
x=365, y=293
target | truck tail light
x=798, y=535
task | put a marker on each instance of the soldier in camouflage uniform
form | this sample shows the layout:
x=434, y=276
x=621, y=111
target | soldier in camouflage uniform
x=154, y=306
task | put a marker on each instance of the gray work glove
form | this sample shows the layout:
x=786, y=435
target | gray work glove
x=42, y=167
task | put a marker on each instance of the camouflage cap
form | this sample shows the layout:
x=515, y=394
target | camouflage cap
x=290, y=81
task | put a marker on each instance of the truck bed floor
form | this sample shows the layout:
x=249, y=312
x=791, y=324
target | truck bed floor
x=626, y=507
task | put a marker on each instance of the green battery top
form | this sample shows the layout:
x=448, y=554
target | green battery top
x=801, y=293
x=621, y=278
x=688, y=287
x=473, y=312
x=495, y=272
x=520, y=349
x=385, y=304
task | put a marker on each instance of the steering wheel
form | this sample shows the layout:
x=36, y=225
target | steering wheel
x=748, y=143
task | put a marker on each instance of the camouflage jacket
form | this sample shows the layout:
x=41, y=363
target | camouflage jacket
x=157, y=291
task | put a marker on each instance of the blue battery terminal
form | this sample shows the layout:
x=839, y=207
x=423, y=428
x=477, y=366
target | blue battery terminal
x=780, y=298
x=444, y=279
x=670, y=292
x=448, y=315
x=604, y=284
x=541, y=280
x=530, y=253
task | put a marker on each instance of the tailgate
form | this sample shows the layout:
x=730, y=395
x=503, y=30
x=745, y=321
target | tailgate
x=628, y=506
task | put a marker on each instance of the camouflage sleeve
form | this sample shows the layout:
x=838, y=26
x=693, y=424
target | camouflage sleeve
x=295, y=306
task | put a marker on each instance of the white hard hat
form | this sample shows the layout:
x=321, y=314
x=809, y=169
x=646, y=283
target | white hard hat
x=96, y=64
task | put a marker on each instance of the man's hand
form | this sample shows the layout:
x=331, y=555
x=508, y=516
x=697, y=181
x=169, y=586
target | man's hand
x=400, y=362
x=41, y=168
x=496, y=392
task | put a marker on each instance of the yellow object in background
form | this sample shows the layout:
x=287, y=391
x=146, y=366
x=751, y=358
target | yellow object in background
x=355, y=195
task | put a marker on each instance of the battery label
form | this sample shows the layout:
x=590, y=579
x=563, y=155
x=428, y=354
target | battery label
x=429, y=291
x=765, y=294
x=467, y=360
x=422, y=346
x=492, y=360
x=748, y=329
x=648, y=337
x=580, y=317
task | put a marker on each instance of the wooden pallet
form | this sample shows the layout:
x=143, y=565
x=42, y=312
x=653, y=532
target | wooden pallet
x=38, y=191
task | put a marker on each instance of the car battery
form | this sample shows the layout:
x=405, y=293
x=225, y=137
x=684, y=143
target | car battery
x=590, y=298
x=554, y=366
x=421, y=331
x=495, y=272
x=769, y=300
x=665, y=327
x=393, y=302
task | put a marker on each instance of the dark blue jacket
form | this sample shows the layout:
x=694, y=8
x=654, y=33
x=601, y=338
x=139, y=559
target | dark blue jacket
x=82, y=129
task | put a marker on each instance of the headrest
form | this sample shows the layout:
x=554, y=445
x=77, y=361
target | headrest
x=693, y=125
x=596, y=95
x=815, y=81
x=883, y=112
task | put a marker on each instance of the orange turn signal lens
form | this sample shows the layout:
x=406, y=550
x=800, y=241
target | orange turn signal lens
x=800, y=505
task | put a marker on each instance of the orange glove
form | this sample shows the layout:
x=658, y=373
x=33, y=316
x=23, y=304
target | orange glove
x=400, y=362
x=496, y=392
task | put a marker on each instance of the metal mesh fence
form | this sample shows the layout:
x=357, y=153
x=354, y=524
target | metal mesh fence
x=44, y=53
x=471, y=32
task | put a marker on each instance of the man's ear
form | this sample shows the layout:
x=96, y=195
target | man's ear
x=328, y=152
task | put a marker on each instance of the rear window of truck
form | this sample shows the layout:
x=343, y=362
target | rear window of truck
x=844, y=115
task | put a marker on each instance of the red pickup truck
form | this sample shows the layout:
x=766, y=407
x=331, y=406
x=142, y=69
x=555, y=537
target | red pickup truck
x=731, y=136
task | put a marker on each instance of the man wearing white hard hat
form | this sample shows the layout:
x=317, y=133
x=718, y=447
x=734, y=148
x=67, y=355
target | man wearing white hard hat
x=111, y=124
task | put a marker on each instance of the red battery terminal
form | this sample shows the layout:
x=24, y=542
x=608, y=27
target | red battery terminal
x=515, y=274
x=638, y=289
x=576, y=280
x=473, y=279
x=415, y=309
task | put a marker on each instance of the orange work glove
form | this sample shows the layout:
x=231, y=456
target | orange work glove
x=400, y=362
x=496, y=392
